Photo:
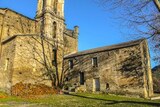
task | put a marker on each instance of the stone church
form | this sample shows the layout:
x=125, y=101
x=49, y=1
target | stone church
x=30, y=47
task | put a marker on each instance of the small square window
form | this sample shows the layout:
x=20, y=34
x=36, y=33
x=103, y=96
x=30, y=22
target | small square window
x=71, y=64
x=94, y=62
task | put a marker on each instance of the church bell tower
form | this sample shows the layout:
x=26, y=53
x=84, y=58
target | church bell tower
x=50, y=16
x=50, y=13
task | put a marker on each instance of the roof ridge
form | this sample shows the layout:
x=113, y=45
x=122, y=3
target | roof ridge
x=18, y=13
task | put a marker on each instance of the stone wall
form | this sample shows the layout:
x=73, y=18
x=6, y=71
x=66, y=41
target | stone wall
x=70, y=44
x=1, y=22
x=22, y=61
x=14, y=23
x=11, y=24
x=29, y=60
x=124, y=70
x=6, y=65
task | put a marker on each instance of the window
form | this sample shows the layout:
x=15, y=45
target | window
x=94, y=62
x=67, y=79
x=54, y=29
x=55, y=6
x=82, y=78
x=54, y=57
x=54, y=62
x=6, y=64
x=71, y=64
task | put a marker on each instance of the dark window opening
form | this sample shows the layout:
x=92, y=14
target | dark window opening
x=71, y=64
x=67, y=79
x=81, y=78
x=53, y=62
x=54, y=57
x=107, y=87
x=55, y=6
x=94, y=62
x=54, y=29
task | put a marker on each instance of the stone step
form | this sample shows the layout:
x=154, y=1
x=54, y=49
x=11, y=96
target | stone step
x=155, y=98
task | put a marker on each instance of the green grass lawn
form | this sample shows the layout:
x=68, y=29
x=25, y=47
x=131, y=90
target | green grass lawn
x=79, y=100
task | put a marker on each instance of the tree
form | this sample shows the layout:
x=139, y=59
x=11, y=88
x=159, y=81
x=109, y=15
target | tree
x=142, y=16
x=157, y=3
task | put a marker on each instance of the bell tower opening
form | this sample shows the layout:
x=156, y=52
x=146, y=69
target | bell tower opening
x=50, y=16
x=54, y=4
x=54, y=29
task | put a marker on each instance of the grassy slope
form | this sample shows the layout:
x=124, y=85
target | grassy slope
x=83, y=100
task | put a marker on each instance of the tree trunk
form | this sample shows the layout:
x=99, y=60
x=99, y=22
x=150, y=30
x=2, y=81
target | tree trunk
x=157, y=3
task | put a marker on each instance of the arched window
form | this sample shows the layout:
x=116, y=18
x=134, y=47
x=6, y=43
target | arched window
x=55, y=5
x=54, y=29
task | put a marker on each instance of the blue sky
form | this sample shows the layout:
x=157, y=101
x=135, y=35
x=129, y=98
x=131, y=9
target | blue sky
x=98, y=27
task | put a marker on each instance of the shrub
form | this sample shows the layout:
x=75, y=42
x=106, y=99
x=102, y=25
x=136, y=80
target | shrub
x=24, y=90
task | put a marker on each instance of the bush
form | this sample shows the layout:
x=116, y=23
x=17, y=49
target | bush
x=24, y=90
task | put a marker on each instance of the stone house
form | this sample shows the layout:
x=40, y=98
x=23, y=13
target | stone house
x=122, y=68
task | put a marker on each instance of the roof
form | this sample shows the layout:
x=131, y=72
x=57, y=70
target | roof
x=18, y=13
x=106, y=48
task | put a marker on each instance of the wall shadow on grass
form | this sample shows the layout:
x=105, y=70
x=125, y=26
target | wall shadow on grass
x=112, y=102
